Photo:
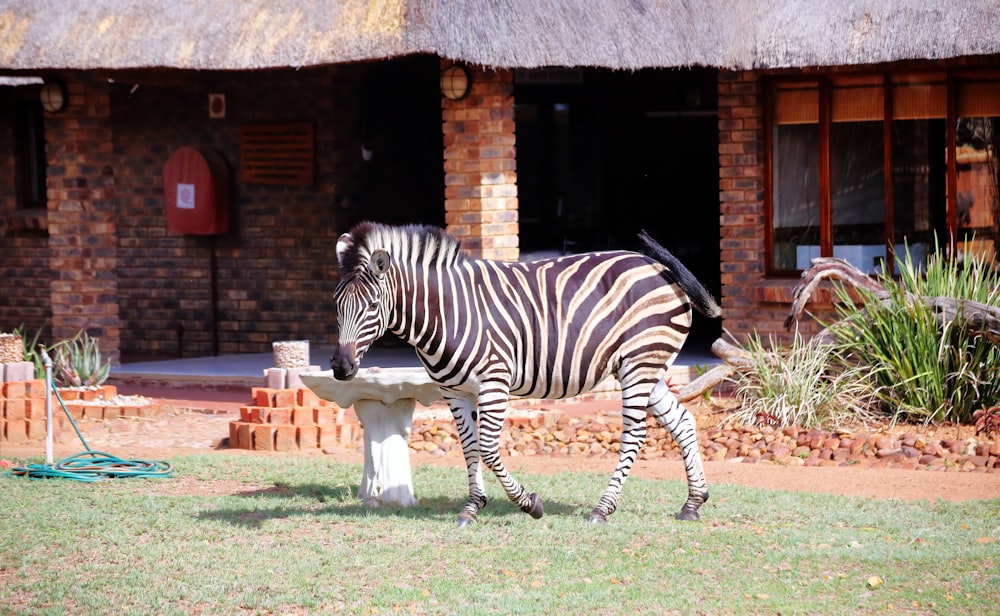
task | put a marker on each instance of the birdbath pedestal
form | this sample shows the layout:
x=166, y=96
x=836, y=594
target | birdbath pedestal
x=383, y=400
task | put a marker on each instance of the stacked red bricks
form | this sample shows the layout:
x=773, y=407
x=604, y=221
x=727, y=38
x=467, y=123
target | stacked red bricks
x=292, y=420
x=23, y=411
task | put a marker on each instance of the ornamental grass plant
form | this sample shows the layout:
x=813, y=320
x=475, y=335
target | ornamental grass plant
x=926, y=371
x=803, y=384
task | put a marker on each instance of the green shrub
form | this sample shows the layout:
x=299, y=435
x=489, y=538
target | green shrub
x=804, y=385
x=926, y=371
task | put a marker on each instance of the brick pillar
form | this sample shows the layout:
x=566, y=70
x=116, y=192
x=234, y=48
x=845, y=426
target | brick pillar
x=81, y=208
x=741, y=193
x=479, y=164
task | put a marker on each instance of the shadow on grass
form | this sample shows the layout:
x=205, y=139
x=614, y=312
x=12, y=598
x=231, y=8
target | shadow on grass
x=342, y=501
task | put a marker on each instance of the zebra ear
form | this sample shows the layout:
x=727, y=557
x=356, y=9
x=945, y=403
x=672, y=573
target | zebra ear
x=379, y=262
x=343, y=245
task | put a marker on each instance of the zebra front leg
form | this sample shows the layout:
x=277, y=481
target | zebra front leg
x=492, y=409
x=463, y=409
x=633, y=436
x=664, y=406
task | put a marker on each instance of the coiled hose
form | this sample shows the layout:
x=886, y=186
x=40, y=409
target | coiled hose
x=91, y=465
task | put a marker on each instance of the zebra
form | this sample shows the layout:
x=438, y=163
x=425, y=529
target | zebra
x=549, y=329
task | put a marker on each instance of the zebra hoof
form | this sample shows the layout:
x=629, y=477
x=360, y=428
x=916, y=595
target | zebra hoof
x=597, y=517
x=465, y=519
x=688, y=514
x=535, y=508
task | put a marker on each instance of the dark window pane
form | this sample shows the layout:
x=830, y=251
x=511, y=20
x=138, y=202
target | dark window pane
x=918, y=173
x=29, y=138
x=857, y=186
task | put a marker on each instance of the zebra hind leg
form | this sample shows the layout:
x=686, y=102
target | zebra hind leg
x=664, y=406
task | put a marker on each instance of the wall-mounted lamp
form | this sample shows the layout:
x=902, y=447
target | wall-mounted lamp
x=53, y=96
x=455, y=82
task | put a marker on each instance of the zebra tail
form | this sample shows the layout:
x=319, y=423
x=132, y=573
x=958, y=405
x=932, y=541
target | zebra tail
x=701, y=299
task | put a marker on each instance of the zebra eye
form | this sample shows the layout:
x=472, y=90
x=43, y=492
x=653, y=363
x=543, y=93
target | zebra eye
x=372, y=306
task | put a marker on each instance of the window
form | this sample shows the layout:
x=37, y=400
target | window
x=859, y=163
x=29, y=140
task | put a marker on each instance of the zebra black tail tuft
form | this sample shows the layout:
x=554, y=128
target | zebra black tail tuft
x=701, y=299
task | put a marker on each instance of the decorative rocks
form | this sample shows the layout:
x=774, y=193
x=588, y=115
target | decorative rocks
x=11, y=348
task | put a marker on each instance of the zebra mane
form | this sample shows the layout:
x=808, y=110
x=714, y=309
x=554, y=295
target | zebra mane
x=405, y=244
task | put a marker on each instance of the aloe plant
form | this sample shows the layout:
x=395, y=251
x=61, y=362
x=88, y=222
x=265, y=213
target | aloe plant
x=33, y=349
x=78, y=362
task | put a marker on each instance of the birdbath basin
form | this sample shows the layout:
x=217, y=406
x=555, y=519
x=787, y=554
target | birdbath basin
x=384, y=400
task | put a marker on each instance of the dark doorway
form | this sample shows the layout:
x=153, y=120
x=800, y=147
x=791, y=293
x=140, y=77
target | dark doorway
x=602, y=154
x=401, y=173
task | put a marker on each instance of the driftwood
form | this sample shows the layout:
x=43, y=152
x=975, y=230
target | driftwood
x=980, y=319
x=734, y=357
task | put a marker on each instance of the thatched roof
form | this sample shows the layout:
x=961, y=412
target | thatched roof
x=620, y=34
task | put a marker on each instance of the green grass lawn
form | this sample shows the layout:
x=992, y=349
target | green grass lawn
x=259, y=535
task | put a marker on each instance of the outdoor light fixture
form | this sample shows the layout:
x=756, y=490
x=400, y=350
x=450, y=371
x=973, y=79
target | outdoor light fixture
x=455, y=82
x=53, y=96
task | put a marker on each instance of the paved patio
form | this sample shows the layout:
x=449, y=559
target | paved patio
x=247, y=369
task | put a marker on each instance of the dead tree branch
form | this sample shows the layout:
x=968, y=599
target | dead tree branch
x=734, y=358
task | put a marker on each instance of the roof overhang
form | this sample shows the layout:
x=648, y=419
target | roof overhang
x=616, y=34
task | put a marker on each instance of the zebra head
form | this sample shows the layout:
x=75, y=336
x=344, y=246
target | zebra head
x=363, y=304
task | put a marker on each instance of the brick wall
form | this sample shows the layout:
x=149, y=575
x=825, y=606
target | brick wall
x=480, y=169
x=81, y=215
x=25, y=254
x=750, y=301
x=116, y=272
x=276, y=268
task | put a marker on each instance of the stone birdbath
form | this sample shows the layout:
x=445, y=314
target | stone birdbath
x=383, y=400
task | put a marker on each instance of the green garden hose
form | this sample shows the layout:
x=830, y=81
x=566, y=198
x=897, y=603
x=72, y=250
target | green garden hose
x=92, y=465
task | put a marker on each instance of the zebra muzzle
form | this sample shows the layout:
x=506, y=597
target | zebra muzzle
x=343, y=362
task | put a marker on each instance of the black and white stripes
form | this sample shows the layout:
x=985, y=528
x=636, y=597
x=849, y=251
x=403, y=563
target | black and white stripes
x=488, y=330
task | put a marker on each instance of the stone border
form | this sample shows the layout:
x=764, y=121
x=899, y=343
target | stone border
x=552, y=433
